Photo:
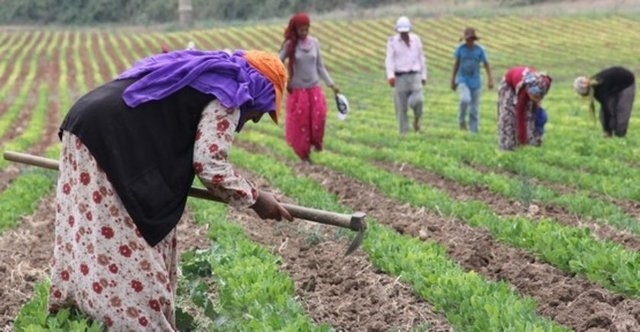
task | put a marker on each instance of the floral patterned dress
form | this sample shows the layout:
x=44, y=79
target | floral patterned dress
x=511, y=100
x=101, y=264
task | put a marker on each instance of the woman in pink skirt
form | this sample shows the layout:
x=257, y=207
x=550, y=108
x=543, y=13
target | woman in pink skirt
x=130, y=151
x=306, y=104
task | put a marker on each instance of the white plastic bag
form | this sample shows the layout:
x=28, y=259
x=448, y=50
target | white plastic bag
x=343, y=106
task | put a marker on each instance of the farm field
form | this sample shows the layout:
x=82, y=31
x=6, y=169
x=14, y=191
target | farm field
x=461, y=237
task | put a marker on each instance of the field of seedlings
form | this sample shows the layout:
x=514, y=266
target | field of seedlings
x=461, y=236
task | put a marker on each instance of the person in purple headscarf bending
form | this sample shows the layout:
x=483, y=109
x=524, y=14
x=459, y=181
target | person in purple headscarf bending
x=130, y=151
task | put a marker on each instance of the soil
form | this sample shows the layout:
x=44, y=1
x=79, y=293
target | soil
x=11, y=96
x=85, y=62
x=569, y=300
x=105, y=74
x=140, y=49
x=112, y=47
x=632, y=208
x=346, y=292
x=49, y=71
x=508, y=207
x=25, y=253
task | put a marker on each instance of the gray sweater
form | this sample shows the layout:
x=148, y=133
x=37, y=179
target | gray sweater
x=308, y=68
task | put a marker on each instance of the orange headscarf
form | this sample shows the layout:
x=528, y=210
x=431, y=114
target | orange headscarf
x=273, y=69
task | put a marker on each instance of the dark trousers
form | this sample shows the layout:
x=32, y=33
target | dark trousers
x=616, y=112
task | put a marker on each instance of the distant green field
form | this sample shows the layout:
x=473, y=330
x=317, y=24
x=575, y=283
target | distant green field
x=43, y=72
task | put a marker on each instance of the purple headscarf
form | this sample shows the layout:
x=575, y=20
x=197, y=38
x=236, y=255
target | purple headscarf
x=228, y=77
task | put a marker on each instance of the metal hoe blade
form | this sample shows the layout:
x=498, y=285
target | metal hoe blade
x=358, y=221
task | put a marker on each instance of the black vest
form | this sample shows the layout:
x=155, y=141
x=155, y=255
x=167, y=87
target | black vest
x=146, y=151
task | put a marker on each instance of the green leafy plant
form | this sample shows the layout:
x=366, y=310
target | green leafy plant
x=34, y=316
x=468, y=301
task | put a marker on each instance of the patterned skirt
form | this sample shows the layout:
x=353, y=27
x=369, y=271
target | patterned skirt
x=507, y=129
x=306, y=117
x=101, y=264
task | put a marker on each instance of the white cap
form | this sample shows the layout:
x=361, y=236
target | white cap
x=403, y=24
x=191, y=46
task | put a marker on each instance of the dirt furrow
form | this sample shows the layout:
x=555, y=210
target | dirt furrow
x=115, y=49
x=151, y=44
x=49, y=136
x=508, y=207
x=346, y=292
x=630, y=207
x=137, y=49
x=71, y=83
x=19, y=124
x=13, y=93
x=4, y=76
x=96, y=56
x=85, y=61
x=571, y=301
x=339, y=294
x=25, y=253
x=48, y=71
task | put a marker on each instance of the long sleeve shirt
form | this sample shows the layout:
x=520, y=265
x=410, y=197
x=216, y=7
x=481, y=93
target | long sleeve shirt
x=308, y=68
x=403, y=58
x=151, y=153
x=610, y=82
x=214, y=136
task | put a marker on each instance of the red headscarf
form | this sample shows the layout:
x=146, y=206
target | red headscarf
x=291, y=35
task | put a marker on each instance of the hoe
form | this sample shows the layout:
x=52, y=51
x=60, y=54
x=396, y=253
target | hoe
x=353, y=222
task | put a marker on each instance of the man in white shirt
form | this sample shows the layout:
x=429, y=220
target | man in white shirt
x=407, y=73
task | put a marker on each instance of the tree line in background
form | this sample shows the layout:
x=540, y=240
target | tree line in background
x=85, y=12
x=141, y=12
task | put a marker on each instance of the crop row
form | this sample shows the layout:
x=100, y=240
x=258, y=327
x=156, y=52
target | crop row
x=571, y=249
x=453, y=162
x=552, y=163
x=467, y=300
x=250, y=292
x=573, y=154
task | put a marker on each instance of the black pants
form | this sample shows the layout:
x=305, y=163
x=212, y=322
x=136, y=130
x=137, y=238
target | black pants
x=616, y=112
